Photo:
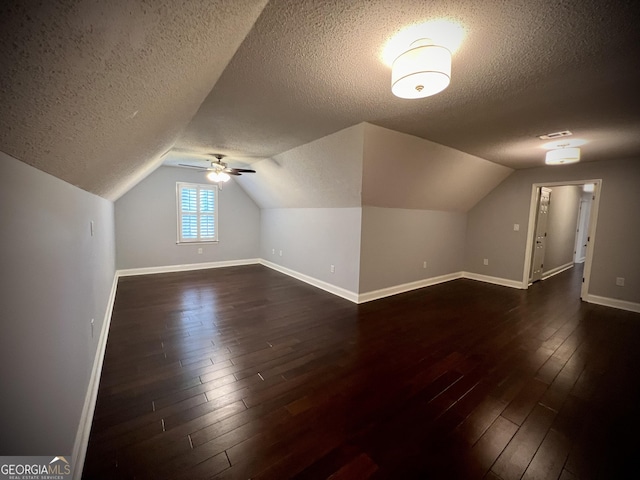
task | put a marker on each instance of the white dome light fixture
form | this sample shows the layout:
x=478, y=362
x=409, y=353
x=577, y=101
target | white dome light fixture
x=562, y=156
x=421, y=71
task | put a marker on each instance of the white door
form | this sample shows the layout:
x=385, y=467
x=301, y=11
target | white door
x=582, y=232
x=537, y=264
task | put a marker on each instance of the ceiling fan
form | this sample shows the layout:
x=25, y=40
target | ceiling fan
x=219, y=171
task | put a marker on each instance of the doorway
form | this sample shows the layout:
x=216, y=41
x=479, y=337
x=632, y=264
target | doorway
x=541, y=200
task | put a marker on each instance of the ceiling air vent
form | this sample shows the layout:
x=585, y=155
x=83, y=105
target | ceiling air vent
x=551, y=136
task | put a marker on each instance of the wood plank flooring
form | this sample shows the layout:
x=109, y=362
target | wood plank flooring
x=243, y=372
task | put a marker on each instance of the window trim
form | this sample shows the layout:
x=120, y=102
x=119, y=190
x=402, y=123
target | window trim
x=179, y=212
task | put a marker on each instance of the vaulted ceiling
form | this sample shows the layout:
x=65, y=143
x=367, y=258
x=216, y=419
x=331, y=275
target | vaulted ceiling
x=96, y=92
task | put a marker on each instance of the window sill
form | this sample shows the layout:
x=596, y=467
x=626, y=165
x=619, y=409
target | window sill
x=198, y=243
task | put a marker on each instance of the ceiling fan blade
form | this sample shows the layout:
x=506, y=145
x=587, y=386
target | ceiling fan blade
x=232, y=172
x=193, y=166
x=237, y=171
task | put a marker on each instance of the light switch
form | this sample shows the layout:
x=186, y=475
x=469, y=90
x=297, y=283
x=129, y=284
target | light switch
x=516, y=227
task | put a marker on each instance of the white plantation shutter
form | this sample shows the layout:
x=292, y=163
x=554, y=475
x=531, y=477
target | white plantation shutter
x=197, y=212
x=208, y=214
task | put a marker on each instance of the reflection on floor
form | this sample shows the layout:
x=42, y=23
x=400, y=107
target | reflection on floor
x=243, y=372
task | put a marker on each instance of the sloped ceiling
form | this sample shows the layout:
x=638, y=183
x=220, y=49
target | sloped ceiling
x=404, y=171
x=94, y=92
x=325, y=173
x=367, y=165
x=309, y=68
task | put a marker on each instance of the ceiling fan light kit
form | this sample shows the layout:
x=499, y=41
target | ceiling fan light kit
x=562, y=156
x=421, y=71
x=218, y=176
x=219, y=171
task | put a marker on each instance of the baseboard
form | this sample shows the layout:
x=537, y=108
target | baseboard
x=127, y=272
x=406, y=287
x=386, y=292
x=557, y=270
x=504, y=282
x=613, y=302
x=86, y=419
x=340, y=292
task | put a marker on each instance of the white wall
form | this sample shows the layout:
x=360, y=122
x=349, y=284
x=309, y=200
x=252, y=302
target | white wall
x=310, y=200
x=561, y=226
x=55, y=278
x=313, y=239
x=146, y=229
x=404, y=196
x=616, y=254
x=396, y=242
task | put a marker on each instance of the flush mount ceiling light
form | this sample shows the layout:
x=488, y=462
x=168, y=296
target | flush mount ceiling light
x=423, y=70
x=573, y=142
x=562, y=156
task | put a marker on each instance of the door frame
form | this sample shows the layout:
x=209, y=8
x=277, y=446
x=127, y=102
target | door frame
x=593, y=222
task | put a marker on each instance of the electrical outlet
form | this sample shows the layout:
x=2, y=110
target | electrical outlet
x=280, y=253
x=92, y=324
x=273, y=251
x=620, y=281
x=424, y=264
x=333, y=269
x=486, y=261
x=200, y=250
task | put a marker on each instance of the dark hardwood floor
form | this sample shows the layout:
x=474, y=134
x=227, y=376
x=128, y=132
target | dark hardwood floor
x=243, y=372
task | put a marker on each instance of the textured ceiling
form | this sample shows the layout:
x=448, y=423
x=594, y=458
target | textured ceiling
x=325, y=173
x=95, y=92
x=524, y=68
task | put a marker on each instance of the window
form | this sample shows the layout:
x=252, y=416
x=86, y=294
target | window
x=197, y=213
